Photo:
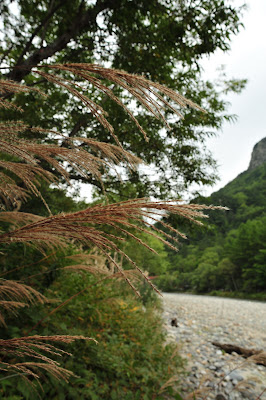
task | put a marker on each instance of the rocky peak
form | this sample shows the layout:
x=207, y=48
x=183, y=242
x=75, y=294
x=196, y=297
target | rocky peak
x=258, y=155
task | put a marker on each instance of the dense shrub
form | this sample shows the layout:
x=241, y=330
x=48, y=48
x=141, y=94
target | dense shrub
x=130, y=361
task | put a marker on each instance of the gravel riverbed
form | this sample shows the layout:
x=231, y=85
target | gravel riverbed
x=202, y=320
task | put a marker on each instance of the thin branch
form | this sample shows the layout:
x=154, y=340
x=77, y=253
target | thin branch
x=42, y=24
x=82, y=20
x=81, y=123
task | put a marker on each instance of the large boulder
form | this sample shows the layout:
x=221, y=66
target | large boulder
x=258, y=156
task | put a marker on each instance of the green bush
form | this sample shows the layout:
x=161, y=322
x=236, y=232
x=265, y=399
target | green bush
x=168, y=283
x=130, y=361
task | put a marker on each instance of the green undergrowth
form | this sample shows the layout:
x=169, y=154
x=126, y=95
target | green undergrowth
x=170, y=283
x=130, y=361
x=239, y=295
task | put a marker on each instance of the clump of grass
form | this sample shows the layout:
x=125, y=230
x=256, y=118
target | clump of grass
x=130, y=360
x=26, y=163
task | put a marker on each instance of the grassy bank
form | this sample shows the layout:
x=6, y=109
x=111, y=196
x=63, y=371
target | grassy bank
x=130, y=361
x=239, y=295
x=171, y=283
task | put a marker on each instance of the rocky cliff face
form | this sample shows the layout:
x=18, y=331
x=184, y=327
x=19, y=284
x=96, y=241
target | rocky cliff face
x=258, y=156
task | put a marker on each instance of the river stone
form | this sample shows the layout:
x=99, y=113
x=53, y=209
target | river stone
x=234, y=376
x=220, y=396
x=248, y=395
x=219, y=365
x=251, y=383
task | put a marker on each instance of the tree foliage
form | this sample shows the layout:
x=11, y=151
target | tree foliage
x=230, y=256
x=163, y=40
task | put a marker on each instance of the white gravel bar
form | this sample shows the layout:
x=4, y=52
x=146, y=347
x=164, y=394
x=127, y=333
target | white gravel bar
x=202, y=320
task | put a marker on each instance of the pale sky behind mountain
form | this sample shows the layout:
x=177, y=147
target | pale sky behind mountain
x=247, y=59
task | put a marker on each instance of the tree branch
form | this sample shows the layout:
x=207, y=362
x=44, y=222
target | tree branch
x=36, y=30
x=82, y=21
x=82, y=122
x=88, y=180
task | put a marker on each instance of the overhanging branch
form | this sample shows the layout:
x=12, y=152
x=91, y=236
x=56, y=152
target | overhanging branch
x=82, y=20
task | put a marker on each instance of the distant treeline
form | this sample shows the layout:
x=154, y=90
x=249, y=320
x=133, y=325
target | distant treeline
x=229, y=254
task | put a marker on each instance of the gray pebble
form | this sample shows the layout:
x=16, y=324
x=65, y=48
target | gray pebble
x=248, y=395
x=235, y=376
x=220, y=396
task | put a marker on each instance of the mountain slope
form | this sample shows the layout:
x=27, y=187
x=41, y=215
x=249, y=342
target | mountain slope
x=230, y=253
x=245, y=196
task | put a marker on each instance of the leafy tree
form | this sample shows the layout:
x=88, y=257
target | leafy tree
x=211, y=255
x=232, y=247
x=229, y=274
x=154, y=264
x=260, y=268
x=246, y=247
x=205, y=277
x=164, y=40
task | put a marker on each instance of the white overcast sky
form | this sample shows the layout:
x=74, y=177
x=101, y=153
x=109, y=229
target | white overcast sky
x=247, y=59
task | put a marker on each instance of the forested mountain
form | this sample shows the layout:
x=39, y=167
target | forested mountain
x=229, y=254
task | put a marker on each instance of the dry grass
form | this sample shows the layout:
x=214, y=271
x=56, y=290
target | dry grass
x=14, y=295
x=103, y=226
x=31, y=153
x=149, y=94
x=39, y=351
x=83, y=226
x=152, y=96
